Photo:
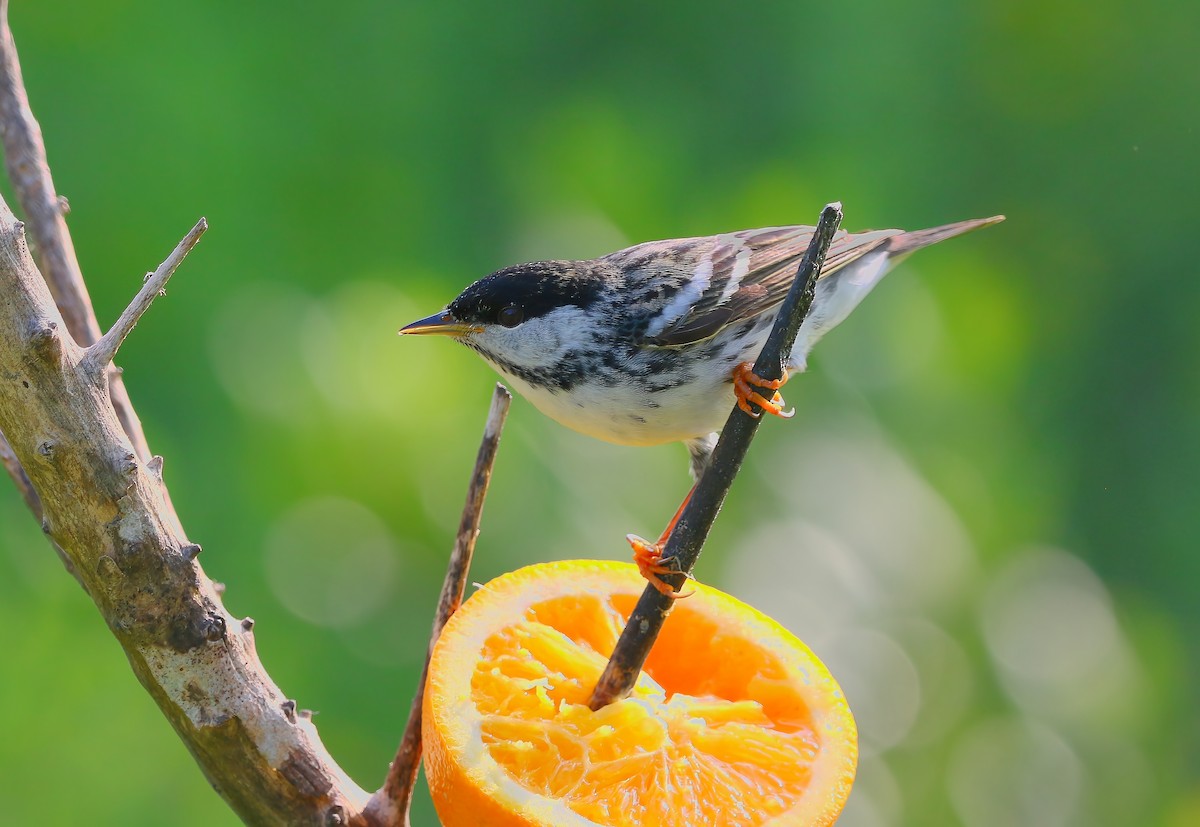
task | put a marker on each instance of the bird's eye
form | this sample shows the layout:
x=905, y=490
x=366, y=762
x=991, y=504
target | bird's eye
x=511, y=316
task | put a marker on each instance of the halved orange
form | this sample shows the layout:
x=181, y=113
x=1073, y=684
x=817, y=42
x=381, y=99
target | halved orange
x=734, y=722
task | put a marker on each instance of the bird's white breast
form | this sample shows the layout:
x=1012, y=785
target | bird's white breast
x=621, y=414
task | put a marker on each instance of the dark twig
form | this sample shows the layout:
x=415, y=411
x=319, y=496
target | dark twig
x=685, y=542
x=100, y=355
x=391, y=803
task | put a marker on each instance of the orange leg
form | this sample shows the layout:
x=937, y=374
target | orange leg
x=648, y=556
x=744, y=378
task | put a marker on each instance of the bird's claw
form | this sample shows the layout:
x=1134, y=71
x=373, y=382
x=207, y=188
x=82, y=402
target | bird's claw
x=744, y=380
x=649, y=559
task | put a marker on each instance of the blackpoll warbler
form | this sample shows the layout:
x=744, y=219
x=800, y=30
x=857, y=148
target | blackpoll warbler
x=644, y=345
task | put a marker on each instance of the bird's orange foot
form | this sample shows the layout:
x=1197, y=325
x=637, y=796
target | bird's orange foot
x=648, y=557
x=744, y=382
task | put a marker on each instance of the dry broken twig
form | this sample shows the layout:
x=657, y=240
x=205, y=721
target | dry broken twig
x=101, y=354
x=390, y=805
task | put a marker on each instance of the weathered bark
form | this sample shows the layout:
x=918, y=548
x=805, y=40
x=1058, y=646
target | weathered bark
x=108, y=511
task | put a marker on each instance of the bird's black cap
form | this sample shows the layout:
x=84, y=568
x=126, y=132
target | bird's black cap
x=536, y=288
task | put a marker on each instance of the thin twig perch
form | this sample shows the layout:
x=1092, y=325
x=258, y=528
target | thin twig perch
x=685, y=542
x=390, y=805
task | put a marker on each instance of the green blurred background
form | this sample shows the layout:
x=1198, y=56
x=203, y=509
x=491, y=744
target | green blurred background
x=984, y=518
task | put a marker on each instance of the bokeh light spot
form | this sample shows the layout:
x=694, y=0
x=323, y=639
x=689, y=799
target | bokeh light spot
x=255, y=341
x=876, y=800
x=947, y=684
x=881, y=683
x=331, y=561
x=854, y=484
x=820, y=583
x=1006, y=772
x=894, y=336
x=1048, y=622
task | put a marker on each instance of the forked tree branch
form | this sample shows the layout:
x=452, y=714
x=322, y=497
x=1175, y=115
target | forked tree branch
x=108, y=512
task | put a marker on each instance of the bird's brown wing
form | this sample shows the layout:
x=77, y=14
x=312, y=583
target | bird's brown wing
x=749, y=273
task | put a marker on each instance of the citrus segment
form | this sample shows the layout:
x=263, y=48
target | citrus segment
x=733, y=722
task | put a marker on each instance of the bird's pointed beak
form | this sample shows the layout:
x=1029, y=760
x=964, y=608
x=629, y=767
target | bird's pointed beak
x=439, y=324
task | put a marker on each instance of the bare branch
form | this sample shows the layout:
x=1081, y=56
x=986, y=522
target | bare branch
x=25, y=160
x=390, y=805
x=101, y=354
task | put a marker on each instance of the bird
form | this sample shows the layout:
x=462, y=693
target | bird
x=655, y=343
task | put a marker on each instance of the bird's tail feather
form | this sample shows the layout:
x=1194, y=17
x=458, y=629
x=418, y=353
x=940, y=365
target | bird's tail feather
x=905, y=243
x=842, y=290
